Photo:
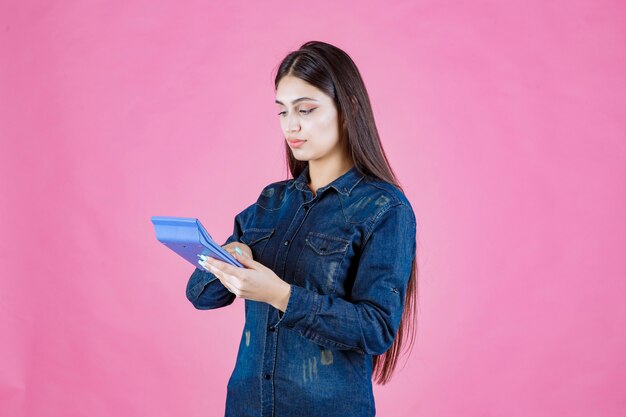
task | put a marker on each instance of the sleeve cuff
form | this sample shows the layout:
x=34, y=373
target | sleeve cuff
x=301, y=309
x=199, y=280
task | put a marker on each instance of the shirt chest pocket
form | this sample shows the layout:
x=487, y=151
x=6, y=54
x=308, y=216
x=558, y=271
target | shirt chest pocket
x=319, y=264
x=256, y=239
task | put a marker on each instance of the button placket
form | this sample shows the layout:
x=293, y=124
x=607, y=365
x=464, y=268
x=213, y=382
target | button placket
x=269, y=362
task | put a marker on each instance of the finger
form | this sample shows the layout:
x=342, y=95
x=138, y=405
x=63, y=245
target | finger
x=212, y=269
x=227, y=286
x=228, y=275
x=227, y=280
x=235, y=280
x=248, y=262
x=215, y=263
x=205, y=266
x=223, y=266
x=231, y=285
x=245, y=251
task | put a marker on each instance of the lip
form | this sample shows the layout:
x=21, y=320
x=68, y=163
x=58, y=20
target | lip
x=295, y=143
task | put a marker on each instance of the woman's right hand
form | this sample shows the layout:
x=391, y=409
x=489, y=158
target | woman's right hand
x=230, y=248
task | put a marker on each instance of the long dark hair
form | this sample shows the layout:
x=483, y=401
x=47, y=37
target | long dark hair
x=331, y=70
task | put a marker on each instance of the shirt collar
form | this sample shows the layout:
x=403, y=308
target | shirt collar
x=344, y=184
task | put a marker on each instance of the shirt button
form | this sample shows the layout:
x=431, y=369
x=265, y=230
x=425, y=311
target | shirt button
x=306, y=208
x=286, y=242
x=272, y=329
x=267, y=376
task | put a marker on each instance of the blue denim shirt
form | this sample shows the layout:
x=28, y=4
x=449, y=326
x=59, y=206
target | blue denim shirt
x=347, y=254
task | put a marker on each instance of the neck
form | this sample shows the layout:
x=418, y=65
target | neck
x=323, y=173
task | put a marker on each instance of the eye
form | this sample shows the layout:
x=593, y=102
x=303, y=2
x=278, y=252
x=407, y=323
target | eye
x=303, y=112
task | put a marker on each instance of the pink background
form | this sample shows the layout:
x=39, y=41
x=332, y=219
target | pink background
x=505, y=122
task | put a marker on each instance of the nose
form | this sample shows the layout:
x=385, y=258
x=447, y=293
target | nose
x=293, y=124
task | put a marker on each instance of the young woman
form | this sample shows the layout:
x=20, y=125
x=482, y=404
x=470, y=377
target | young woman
x=330, y=272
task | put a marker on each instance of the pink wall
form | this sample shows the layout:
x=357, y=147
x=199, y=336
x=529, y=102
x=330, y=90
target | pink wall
x=505, y=122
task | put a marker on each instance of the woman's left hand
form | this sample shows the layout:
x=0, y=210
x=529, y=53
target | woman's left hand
x=254, y=282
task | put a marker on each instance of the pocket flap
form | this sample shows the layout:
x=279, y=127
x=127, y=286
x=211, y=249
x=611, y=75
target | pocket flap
x=324, y=244
x=253, y=235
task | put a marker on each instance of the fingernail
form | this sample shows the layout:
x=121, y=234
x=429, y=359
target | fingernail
x=238, y=250
x=203, y=257
x=202, y=264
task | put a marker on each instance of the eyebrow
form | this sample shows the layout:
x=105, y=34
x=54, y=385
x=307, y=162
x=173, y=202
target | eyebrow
x=298, y=100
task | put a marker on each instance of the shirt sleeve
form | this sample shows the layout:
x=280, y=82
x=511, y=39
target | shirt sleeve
x=369, y=321
x=204, y=290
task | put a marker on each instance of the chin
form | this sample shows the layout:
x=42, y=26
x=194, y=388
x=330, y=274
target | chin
x=302, y=158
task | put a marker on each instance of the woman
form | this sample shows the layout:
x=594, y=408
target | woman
x=329, y=255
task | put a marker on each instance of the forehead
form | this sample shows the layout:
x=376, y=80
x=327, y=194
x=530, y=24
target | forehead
x=291, y=88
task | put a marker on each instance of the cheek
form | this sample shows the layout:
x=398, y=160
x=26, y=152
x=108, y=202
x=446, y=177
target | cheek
x=325, y=128
x=282, y=123
x=328, y=130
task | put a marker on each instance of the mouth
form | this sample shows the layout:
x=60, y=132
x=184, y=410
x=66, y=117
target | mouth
x=294, y=143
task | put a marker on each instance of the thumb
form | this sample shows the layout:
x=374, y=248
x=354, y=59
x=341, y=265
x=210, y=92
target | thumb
x=246, y=261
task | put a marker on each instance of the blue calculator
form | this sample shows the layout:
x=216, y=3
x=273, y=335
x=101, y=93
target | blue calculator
x=188, y=238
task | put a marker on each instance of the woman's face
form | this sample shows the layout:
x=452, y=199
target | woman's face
x=309, y=120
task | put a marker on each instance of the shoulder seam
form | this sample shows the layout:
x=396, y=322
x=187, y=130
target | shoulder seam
x=383, y=189
x=283, y=184
x=378, y=215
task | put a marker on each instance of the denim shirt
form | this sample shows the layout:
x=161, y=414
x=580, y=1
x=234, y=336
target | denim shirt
x=347, y=254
